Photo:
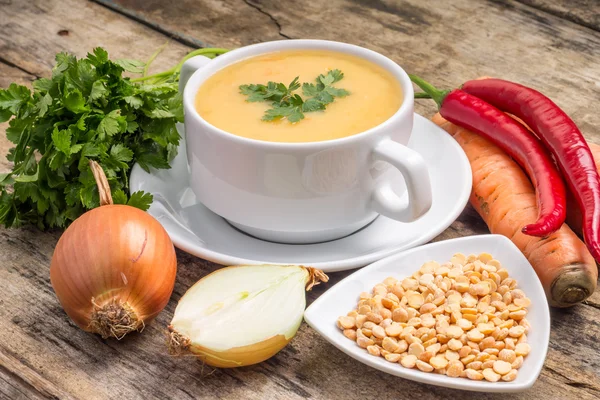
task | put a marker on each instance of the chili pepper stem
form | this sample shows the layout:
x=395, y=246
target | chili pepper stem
x=436, y=94
x=422, y=95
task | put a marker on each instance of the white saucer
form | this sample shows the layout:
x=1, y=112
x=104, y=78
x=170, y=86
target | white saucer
x=196, y=230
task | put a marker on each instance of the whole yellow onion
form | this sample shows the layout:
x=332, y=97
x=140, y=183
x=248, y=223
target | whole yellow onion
x=113, y=269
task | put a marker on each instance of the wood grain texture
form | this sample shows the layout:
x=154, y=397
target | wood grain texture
x=138, y=367
x=12, y=388
x=228, y=23
x=23, y=381
x=446, y=45
x=582, y=12
x=32, y=32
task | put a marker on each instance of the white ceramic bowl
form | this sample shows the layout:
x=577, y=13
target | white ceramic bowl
x=342, y=298
x=310, y=191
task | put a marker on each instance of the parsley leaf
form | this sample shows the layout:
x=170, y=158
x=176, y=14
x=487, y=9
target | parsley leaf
x=134, y=101
x=5, y=115
x=43, y=104
x=74, y=102
x=121, y=153
x=14, y=97
x=15, y=130
x=111, y=124
x=42, y=85
x=99, y=90
x=313, y=105
x=254, y=92
x=336, y=92
x=131, y=65
x=62, y=140
x=332, y=77
x=286, y=104
x=119, y=197
x=292, y=113
x=140, y=200
x=98, y=57
x=310, y=89
x=295, y=84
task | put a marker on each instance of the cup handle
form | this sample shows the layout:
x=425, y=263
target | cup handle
x=418, y=185
x=189, y=67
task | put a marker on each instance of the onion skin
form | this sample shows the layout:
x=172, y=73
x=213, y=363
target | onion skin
x=232, y=358
x=114, y=257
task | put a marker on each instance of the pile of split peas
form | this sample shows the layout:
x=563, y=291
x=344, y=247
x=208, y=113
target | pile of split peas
x=463, y=318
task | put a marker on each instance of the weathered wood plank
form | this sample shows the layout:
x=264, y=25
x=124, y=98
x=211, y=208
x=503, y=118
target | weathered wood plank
x=553, y=55
x=138, y=366
x=10, y=74
x=582, y=12
x=571, y=331
x=25, y=381
x=228, y=23
x=14, y=388
x=446, y=45
x=32, y=32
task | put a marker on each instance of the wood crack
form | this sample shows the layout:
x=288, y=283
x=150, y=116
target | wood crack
x=13, y=65
x=573, y=383
x=176, y=36
x=591, y=304
x=29, y=378
x=563, y=15
x=583, y=385
x=271, y=17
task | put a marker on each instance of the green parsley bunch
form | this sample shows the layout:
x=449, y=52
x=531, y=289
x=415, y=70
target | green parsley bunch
x=87, y=110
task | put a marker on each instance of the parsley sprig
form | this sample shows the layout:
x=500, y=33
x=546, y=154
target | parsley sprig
x=86, y=110
x=286, y=104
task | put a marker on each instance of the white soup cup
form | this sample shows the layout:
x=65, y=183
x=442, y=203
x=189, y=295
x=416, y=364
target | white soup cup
x=304, y=192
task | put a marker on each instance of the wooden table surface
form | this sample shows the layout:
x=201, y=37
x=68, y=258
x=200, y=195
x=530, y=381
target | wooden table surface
x=553, y=45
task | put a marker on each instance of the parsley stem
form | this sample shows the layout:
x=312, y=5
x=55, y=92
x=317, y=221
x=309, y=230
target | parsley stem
x=153, y=57
x=206, y=52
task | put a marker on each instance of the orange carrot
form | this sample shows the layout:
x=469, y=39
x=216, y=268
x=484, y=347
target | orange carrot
x=505, y=198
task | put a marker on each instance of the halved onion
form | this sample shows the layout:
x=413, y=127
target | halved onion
x=242, y=315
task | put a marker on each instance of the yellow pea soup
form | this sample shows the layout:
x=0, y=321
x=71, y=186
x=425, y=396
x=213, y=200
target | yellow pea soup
x=374, y=96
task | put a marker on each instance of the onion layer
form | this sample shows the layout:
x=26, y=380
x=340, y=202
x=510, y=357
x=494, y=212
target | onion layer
x=241, y=315
x=113, y=270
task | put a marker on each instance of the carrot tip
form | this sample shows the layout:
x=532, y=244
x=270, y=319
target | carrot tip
x=571, y=287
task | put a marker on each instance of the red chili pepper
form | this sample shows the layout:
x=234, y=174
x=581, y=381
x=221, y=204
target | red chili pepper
x=472, y=113
x=560, y=134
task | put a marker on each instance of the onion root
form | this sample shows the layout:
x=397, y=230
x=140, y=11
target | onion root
x=177, y=343
x=114, y=319
x=315, y=276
